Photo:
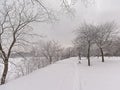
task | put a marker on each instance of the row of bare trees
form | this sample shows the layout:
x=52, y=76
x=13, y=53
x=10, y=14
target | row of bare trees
x=16, y=17
x=50, y=50
x=89, y=35
x=41, y=54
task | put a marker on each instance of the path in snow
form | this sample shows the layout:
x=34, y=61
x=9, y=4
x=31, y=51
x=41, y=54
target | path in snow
x=77, y=83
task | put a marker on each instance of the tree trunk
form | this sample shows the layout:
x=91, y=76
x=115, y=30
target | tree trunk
x=102, y=54
x=5, y=71
x=79, y=55
x=88, y=55
x=50, y=59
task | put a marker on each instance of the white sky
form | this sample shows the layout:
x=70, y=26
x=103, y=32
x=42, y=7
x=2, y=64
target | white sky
x=62, y=31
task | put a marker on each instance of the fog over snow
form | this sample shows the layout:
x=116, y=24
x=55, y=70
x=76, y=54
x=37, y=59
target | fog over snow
x=53, y=62
x=63, y=30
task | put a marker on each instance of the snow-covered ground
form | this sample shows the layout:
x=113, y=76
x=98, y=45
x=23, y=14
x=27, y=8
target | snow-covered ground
x=69, y=75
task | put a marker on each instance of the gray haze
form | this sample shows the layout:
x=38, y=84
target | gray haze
x=63, y=30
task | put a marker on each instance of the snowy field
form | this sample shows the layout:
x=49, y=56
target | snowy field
x=69, y=75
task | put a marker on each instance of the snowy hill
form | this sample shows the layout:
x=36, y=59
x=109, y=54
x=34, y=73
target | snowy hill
x=68, y=75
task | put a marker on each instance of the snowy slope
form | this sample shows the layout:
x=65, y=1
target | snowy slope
x=59, y=76
x=68, y=75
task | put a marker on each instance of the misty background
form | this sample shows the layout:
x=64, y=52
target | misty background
x=63, y=30
x=37, y=33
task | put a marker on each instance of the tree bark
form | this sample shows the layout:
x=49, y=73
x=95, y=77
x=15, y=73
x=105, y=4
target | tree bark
x=5, y=71
x=88, y=55
x=102, y=54
x=79, y=55
x=50, y=59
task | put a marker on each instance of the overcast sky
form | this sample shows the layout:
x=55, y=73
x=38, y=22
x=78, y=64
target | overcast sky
x=62, y=31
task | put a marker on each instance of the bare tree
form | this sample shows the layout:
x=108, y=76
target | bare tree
x=15, y=19
x=80, y=47
x=103, y=36
x=115, y=51
x=68, y=5
x=86, y=33
x=51, y=50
